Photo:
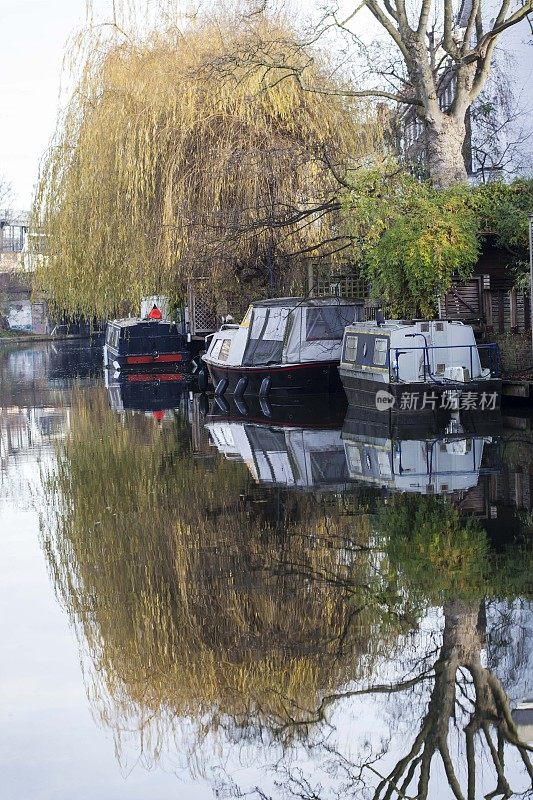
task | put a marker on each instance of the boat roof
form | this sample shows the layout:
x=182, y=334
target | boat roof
x=130, y=321
x=292, y=302
x=371, y=326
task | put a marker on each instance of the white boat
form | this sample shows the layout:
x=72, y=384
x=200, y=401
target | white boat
x=414, y=366
x=283, y=346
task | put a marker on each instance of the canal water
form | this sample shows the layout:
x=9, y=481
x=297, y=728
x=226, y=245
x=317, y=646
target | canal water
x=199, y=600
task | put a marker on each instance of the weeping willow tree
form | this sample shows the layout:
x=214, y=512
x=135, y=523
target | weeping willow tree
x=195, y=153
x=189, y=605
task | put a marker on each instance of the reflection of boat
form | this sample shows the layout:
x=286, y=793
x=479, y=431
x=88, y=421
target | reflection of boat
x=282, y=346
x=420, y=366
x=279, y=452
x=146, y=391
x=294, y=411
x=523, y=719
x=443, y=463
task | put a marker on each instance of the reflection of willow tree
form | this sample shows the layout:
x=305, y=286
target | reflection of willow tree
x=442, y=559
x=190, y=603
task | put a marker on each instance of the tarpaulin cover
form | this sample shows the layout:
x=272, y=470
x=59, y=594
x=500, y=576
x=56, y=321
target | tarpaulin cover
x=316, y=332
x=302, y=332
x=266, y=337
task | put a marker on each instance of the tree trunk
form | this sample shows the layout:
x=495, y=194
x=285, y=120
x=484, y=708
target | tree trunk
x=444, y=140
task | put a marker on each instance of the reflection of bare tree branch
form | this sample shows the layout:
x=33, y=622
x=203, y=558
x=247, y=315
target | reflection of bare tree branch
x=457, y=673
x=461, y=648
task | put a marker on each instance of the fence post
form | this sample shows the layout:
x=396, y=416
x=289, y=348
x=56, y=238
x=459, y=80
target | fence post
x=512, y=298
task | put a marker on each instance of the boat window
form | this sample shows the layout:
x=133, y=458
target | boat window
x=350, y=348
x=258, y=322
x=276, y=323
x=380, y=351
x=224, y=349
x=216, y=348
x=247, y=317
x=384, y=464
x=328, y=322
x=354, y=459
x=327, y=466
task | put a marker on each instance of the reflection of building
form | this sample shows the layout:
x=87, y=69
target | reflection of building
x=25, y=435
x=26, y=428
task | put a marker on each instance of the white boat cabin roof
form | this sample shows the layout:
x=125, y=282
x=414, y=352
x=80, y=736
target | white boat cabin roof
x=285, y=330
x=391, y=325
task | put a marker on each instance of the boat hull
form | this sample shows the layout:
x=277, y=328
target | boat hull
x=418, y=399
x=180, y=360
x=285, y=380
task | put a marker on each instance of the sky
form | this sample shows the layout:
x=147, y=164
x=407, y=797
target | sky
x=34, y=36
x=32, y=46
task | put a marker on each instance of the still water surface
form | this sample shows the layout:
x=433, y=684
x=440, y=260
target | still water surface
x=201, y=601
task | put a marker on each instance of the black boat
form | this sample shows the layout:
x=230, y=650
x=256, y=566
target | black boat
x=150, y=343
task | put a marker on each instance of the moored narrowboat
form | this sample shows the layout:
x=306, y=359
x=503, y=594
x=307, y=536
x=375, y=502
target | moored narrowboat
x=419, y=366
x=283, y=346
x=148, y=343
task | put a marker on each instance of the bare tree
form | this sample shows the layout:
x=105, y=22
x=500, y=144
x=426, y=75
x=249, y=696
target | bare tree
x=500, y=137
x=443, y=58
x=6, y=196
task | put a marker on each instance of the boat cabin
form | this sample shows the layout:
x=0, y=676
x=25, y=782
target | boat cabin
x=134, y=343
x=412, y=357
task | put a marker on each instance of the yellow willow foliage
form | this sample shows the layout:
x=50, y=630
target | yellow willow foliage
x=189, y=604
x=193, y=154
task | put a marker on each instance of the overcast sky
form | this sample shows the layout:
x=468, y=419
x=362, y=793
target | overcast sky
x=34, y=33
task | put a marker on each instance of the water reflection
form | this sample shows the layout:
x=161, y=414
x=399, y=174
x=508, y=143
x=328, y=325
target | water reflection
x=251, y=612
x=35, y=385
x=426, y=462
x=154, y=392
x=342, y=642
x=298, y=445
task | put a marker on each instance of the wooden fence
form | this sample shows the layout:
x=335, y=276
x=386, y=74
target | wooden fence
x=488, y=302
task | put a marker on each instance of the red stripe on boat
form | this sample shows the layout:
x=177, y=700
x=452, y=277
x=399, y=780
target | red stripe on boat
x=143, y=377
x=162, y=358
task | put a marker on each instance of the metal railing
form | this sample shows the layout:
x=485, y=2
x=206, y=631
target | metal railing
x=475, y=458
x=489, y=358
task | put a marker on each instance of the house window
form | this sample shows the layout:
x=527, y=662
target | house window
x=380, y=352
x=350, y=348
